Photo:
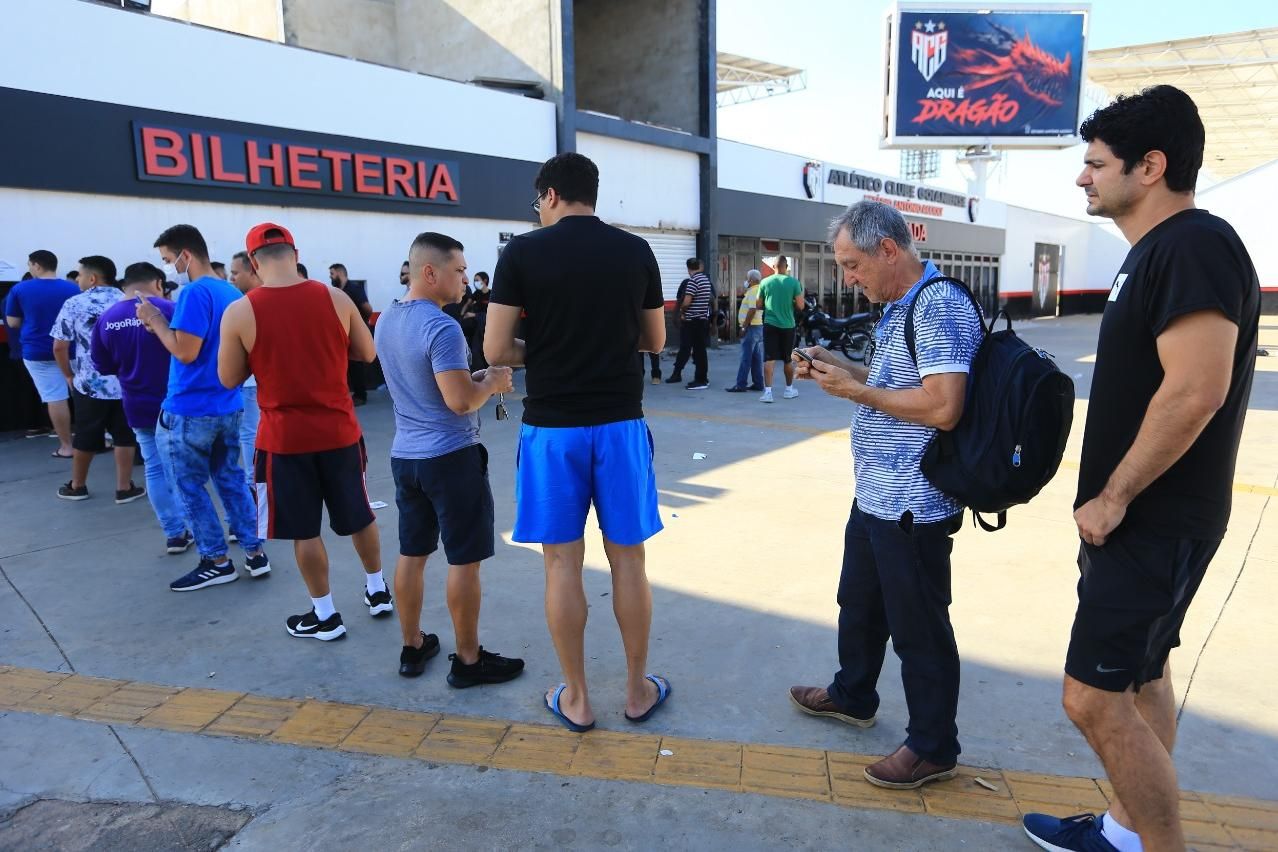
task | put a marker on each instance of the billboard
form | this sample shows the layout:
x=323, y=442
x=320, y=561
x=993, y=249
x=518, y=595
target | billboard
x=1007, y=76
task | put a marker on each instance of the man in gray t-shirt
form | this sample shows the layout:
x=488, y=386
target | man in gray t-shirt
x=440, y=468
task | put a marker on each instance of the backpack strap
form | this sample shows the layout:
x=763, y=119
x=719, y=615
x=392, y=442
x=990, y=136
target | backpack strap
x=909, y=313
x=986, y=525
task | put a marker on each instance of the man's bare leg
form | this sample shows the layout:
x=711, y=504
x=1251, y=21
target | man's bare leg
x=632, y=605
x=80, y=461
x=123, y=467
x=410, y=580
x=1136, y=761
x=60, y=417
x=312, y=562
x=788, y=367
x=1156, y=703
x=368, y=546
x=465, y=594
x=566, y=617
x=768, y=366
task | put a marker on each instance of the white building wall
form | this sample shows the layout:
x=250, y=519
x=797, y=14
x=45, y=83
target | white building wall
x=1246, y=202
x=1092, y=254
x=372, y=245
x=155, y=62
x=746, y=168
x=645, y=186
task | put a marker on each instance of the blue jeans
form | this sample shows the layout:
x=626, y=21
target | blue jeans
x=896, y=583
x=159, y=486
x=248, y=431
x=751, y=357
x=204, y=448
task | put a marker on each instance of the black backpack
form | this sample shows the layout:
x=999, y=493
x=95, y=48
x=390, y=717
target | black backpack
x=1016, y=418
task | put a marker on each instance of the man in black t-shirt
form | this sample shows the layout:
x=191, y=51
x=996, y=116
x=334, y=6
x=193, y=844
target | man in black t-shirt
x=1173, y=373
x=592, y=296
x=356, y=371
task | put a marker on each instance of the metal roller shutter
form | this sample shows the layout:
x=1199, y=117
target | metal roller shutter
x=672, y=251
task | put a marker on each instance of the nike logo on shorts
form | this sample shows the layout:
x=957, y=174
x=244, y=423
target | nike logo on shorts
x=1102, y=670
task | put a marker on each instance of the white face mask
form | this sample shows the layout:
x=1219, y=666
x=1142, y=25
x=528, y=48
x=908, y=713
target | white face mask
x=179, y=278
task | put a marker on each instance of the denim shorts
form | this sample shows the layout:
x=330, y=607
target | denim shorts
x=49, y=381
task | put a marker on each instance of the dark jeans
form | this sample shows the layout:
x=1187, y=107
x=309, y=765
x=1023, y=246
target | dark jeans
x=896, y=583
x=654, y=362
x=692, y=340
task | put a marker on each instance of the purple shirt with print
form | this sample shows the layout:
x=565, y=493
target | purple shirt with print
x=123, y=347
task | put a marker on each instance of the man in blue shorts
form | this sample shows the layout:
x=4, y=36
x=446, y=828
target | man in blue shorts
x=583, y=417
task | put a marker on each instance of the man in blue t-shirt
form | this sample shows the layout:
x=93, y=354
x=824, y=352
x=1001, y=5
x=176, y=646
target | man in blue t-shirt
x=440, y=468
x=199, y=424
x=896, y=559
x=31, y=308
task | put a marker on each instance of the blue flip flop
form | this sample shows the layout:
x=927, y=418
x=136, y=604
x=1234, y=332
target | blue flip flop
x=663, y=692
x=553, y=706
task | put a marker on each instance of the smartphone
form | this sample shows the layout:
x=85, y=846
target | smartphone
x=805, y=356
x=141, y=300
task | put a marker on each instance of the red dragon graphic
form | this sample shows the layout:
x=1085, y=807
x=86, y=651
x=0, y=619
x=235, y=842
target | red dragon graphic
x=1037, y=73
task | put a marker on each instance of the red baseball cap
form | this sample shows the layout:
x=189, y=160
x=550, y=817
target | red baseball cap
x=257, y=238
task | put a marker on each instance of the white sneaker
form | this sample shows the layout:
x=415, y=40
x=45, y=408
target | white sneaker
x=767, y=396
x=790, y=392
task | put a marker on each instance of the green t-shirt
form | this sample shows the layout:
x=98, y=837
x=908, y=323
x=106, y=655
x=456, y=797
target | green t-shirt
x=778, y=293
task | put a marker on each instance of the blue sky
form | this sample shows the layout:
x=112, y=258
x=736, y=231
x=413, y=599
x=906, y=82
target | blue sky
x=839, y=44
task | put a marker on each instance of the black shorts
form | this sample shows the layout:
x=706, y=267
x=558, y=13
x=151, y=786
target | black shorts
x=294, y=488
x=1132, y=598
x=94, y=418
x=448, y=494
x=778, y=343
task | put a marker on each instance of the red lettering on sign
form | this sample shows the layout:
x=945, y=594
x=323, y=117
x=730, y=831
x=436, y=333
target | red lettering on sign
x=367, y=167
x=337, y=158
x=997, y=110
x=422, y=183
x=297, y=166
x=442, y=181
x=160, y=145
x=399, y=173
x=275, y=162
x=201, y=169
x=219, y=167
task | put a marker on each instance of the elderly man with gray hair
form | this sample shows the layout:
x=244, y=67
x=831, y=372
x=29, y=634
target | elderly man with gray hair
x=896, y=559
x=750, y=318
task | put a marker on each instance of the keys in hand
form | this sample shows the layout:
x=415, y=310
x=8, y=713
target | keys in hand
x=501, y=406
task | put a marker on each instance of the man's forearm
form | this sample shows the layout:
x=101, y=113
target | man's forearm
x=63, y=359
x=1172, y=423
x=914, y=405
x=859, y=372
x=511, y=355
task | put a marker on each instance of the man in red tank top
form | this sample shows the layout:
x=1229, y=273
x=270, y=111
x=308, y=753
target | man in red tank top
x=295, y=336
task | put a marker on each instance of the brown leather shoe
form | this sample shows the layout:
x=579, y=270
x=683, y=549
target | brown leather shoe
x=905, y=770
x=815, y=701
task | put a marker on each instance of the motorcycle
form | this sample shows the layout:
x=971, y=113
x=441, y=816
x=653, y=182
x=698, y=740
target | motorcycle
x=852, y=335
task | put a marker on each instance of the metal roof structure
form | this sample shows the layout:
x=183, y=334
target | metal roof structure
x=1232, y=77
x=742, y=79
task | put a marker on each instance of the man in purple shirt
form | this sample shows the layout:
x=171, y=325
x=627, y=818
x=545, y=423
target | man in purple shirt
x=122, y=347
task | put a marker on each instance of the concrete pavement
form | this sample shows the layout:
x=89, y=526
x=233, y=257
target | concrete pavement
x=744, y=579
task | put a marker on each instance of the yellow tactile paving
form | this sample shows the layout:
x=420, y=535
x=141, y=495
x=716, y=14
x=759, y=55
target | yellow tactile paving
x=1211, y=822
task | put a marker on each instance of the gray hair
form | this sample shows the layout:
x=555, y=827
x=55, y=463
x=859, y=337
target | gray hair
x=868, y=223
x=754, y=275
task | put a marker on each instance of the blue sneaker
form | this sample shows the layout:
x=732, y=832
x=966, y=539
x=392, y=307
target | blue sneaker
x=1080, y=833
x=206, y=574
x=179, y=543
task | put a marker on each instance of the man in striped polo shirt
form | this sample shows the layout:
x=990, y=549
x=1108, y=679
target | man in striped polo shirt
x=896, y=558
x=694, y=330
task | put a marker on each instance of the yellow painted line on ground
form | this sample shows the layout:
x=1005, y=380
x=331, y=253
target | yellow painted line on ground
x=842, y=436
x=1211, y=822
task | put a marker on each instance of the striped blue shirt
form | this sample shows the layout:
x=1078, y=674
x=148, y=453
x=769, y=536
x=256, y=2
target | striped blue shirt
x=886, y=451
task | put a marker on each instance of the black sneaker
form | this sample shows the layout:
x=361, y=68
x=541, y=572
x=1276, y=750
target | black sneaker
x=490, y=668
x=129, y=494
x=179, y=543
x=68, y=492
x=697, y=385
x=230, y=536
x=412, y=661
x=205, y=574
x=257, y=566
x=308, y=626
x=379, y=603
x=676, y=379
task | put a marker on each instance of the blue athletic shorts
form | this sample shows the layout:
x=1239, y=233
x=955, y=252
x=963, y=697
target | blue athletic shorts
x=561, y=470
